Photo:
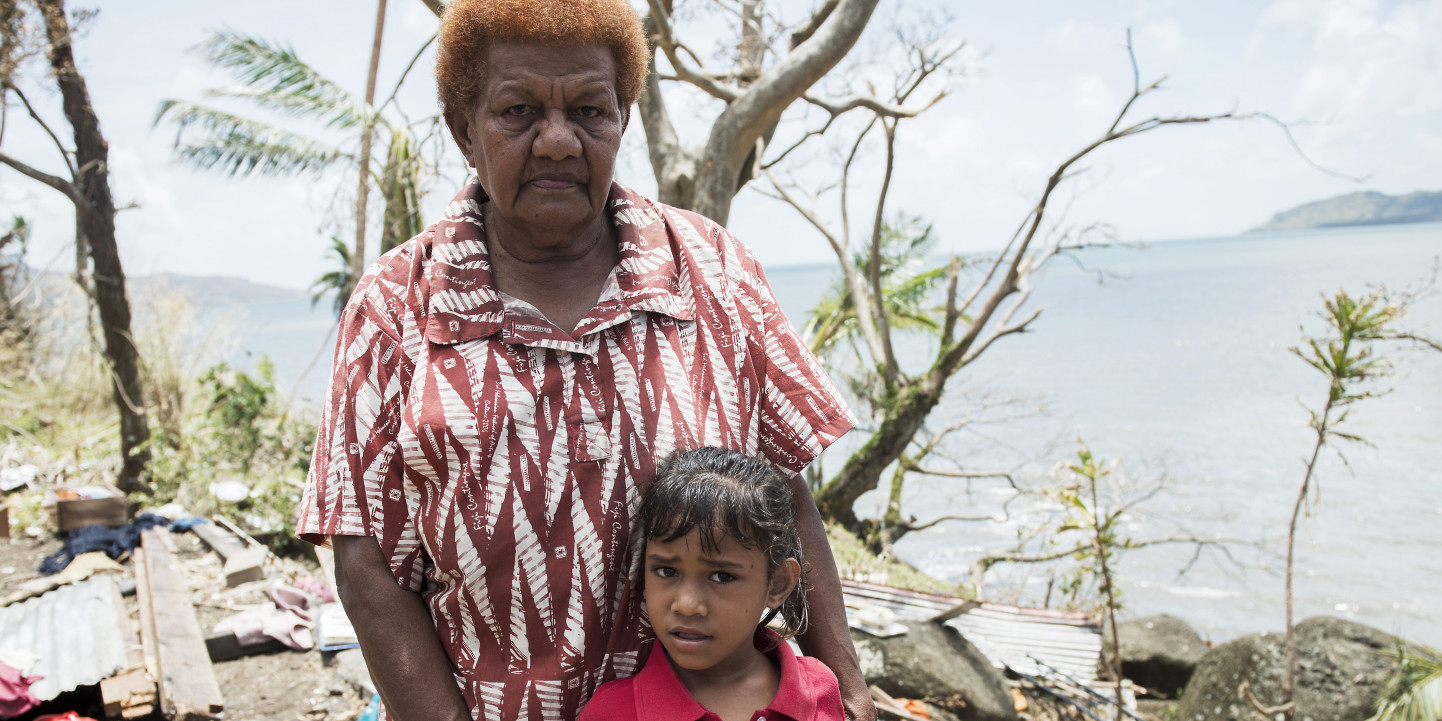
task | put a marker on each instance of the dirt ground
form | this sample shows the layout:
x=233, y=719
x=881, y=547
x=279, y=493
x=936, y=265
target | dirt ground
x=282, y=686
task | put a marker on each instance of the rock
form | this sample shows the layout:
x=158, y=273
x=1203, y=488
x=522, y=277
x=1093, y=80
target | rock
x=1339, y=673
x=934, y=663
x=1159, y=653
x=350, y=665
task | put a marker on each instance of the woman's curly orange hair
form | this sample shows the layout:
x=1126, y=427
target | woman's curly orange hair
x=468, y=27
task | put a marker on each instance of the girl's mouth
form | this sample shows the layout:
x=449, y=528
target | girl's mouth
x=688, y=639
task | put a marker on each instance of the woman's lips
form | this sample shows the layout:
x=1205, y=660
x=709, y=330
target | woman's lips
x=555, y=182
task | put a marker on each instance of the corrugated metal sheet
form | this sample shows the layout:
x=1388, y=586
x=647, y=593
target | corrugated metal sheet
x=74, y=629
x=1022, y=638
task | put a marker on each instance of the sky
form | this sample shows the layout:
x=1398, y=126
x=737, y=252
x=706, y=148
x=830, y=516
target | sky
x=1358, y=81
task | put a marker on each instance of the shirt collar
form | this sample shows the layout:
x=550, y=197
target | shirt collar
x=660, y=695
x=464, y=304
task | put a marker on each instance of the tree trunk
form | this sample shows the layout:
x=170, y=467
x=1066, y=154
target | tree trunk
x=358, y=256
x=96, y=226
x=862, y=471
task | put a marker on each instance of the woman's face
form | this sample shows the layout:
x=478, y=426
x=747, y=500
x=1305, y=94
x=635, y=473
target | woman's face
x=543, y=139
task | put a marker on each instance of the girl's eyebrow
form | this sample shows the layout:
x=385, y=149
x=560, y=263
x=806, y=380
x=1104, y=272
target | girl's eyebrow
x=722, y=563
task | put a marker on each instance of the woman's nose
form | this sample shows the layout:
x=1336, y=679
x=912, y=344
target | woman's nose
x=556, y=138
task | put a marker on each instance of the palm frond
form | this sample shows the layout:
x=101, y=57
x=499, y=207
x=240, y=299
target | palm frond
x=275, y=76
x=340, y=281
x=401, y=185
x=908, y=283
x=1414, y=690
x=239, y=146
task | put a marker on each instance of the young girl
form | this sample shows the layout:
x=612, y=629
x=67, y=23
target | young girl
x=721, y=551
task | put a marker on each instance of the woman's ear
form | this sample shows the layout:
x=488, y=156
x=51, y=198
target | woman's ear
x=460, y=126
x=783, y=582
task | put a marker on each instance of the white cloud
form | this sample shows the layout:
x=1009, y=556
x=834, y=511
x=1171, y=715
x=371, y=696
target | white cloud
x=1093, y=102
x=1164, y=36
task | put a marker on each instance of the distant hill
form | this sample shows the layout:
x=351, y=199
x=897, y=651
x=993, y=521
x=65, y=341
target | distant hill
x=1366, y=208
x=222, y=289
x=204, y=290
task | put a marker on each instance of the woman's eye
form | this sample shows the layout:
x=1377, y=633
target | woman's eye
x=517, y=110
x=589, y=111
x=722, y=577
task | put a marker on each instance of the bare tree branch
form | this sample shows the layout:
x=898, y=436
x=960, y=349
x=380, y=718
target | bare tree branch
x=878, y=299
x=58, y=183
x=666, y=41
x=64, y=153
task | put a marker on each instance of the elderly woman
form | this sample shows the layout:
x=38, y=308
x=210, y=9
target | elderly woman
x=506, y=382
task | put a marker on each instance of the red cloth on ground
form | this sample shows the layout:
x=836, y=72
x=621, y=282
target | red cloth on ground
x=15, y=696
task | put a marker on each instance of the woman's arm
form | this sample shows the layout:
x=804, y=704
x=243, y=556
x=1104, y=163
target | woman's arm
x=827, y=636
x=398, y=639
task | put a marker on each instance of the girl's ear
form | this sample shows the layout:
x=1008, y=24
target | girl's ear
x=783, y=582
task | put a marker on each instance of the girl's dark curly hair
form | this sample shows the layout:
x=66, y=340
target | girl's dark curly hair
x=723, y=493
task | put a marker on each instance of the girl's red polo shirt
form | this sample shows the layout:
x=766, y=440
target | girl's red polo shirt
x=808, y=691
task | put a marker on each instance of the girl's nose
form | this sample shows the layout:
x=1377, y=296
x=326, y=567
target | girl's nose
x=690, y=601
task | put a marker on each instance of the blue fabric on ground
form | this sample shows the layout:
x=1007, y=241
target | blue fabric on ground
x=181, y=525
x=115, y=542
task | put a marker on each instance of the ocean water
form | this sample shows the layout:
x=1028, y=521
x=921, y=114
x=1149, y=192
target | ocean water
x=1173, y=359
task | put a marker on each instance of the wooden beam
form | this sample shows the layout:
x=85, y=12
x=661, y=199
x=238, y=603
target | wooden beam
x=243, y=563
x=188, y=689
x=131, y=693
x=224, y=646
x=147, y=614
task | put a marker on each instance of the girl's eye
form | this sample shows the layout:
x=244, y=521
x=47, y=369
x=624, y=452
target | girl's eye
x=722, y=577
x=664, y=572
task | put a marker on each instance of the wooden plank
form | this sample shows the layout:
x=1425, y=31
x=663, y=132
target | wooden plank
x=243, y=563
x=131, y=693
x=224, y=646
x=147, y=614
x=188, y=689
x=223, y=542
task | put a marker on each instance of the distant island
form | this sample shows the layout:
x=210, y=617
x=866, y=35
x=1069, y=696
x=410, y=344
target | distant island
x=1365, y=208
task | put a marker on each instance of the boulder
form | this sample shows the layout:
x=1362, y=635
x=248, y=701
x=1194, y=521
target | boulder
x=934, y=663
x=1159, y=653
x=1339, y=676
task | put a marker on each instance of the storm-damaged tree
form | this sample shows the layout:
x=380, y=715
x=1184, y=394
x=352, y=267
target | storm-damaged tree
x=275, y=79
x=86, y=184
x=899, y=401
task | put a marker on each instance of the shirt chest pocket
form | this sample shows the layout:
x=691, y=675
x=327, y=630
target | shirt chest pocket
x=590, y=405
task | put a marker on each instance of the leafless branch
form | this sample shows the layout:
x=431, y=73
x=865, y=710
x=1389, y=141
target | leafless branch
x=64, y=186
x=804, y=31
x=64, y=153
x=668, y=44
x=878, y=299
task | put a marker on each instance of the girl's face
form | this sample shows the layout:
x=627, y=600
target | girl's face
x=705, y=607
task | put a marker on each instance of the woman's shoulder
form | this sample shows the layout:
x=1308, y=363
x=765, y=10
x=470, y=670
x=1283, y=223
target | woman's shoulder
x=391, y=289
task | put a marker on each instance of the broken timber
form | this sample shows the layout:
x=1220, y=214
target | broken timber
x=130, y=693
x=243, y=563
x=188, y=689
